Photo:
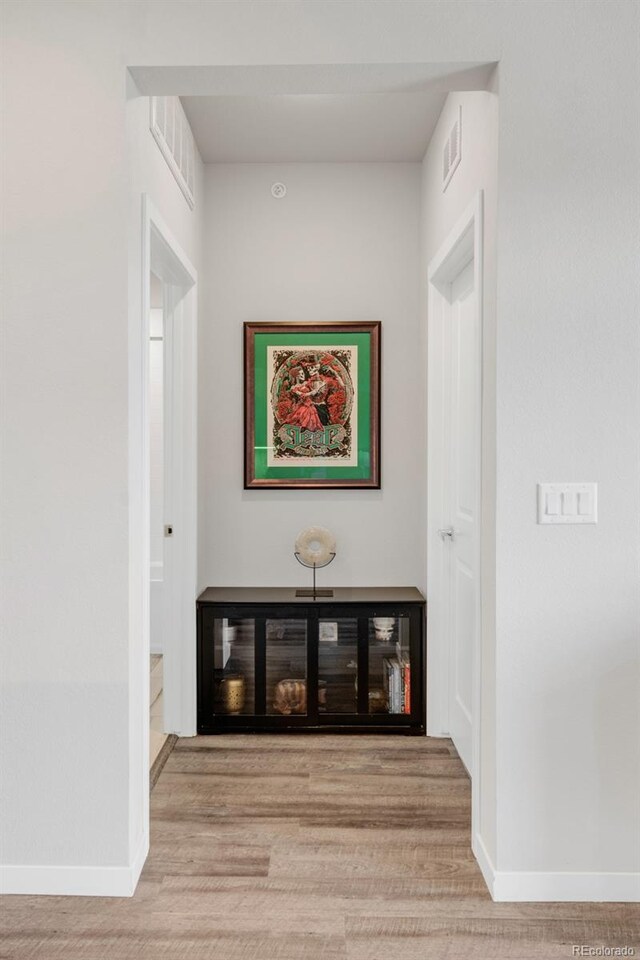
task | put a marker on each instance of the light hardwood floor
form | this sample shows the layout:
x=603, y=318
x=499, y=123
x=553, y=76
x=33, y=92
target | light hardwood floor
x=157, y=736
x=309, y=848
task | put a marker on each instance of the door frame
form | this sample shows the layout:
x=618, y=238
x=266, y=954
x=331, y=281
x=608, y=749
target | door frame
x=463, y=244
x=163, y=255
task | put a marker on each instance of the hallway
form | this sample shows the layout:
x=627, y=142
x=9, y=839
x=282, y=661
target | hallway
x=309, y=848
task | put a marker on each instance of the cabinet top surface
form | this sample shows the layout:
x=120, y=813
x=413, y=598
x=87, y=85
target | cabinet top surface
x=285, y=595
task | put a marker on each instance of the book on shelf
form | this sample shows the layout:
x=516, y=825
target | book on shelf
x=228, y=638
x=397, y=684
x=407, y=687
x=387, y=670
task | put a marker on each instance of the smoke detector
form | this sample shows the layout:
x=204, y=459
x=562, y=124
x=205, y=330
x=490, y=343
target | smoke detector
x=278, y=190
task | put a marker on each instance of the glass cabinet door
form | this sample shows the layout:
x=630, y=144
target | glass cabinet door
x=389, y=665
x=286, y=667
x=342, y=667
x=233, y=667
x=338, y=665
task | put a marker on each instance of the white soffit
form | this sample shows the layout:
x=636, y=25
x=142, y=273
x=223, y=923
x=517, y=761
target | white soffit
x=339, y=78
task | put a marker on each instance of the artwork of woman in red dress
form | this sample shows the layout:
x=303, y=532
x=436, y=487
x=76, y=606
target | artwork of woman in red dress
x=312, y=398
x=328, y=394
x=304, y=413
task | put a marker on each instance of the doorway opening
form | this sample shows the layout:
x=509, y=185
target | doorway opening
x=252, y=238
x=157, y=735
x=170, y=452
x=454, y=491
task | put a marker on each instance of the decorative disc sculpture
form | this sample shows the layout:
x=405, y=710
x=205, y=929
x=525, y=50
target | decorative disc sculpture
x=315, y=548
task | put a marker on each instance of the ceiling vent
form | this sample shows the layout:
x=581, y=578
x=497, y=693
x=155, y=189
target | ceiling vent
x=452, y=153
x=172, y=133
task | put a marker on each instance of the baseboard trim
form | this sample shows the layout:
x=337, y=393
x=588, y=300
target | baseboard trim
x=507, y=886
x=484, y=862
x=139, y=860
x=73, y=881
x=510, y=886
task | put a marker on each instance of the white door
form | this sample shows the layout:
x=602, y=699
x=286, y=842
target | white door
x=460, y=534
x=157, y=467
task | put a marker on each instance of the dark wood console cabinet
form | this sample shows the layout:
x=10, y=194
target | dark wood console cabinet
x=270, y=660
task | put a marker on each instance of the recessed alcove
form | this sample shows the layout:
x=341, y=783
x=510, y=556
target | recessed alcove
x=322, y=193
x=346, y=242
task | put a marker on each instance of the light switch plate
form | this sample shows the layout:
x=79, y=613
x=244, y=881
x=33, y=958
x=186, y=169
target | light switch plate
x=567, y=503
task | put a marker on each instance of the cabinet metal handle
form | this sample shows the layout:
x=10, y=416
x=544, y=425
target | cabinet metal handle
x=447, y=532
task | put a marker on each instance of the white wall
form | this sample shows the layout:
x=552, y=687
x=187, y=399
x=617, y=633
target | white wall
x=478, y=170
x=567, y=604
x=65, y=589
x=73, y=780
x=568, y=408
x=342, y=245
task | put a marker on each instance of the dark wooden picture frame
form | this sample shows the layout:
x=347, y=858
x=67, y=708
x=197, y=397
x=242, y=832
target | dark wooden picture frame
x=312, y=405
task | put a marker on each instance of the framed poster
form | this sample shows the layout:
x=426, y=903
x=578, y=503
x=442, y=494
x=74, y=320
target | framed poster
x=312, y=405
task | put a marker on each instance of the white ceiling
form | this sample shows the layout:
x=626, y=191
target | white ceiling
x=322, y=112
x=314, y=127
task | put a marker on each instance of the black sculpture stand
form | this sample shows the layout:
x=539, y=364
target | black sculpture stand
x=314, y=593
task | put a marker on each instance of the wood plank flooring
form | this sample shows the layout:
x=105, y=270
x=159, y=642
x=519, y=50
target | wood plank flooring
x=157, y=736
x=309, y=848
